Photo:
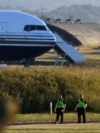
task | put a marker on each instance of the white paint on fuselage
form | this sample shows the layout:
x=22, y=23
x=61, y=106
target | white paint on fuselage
x=14, y=21
x=23, y=35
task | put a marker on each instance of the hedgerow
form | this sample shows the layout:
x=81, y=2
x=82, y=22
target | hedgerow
x=35, y=87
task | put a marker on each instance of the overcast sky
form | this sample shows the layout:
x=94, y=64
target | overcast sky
x=49, y=4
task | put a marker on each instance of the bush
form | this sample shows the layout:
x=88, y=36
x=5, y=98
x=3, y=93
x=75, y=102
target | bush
x=34, y=88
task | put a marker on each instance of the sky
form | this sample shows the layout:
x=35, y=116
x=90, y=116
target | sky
x=49, y=4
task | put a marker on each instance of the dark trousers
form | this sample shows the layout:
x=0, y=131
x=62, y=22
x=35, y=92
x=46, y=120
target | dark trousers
x=59, y=114
x=81, y=113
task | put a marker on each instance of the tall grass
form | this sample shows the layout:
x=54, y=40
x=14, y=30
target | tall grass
x=36, y=87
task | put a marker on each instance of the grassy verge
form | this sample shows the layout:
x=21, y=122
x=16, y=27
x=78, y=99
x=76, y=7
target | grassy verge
x=70, y=127
x=52, y=128
x=68, y=117
x=91, y=53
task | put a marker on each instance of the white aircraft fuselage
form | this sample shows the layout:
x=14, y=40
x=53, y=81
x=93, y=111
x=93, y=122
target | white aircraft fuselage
x=23, y=36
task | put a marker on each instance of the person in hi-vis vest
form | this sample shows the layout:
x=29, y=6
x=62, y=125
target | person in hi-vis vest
x=81, y=109
x=60, y=108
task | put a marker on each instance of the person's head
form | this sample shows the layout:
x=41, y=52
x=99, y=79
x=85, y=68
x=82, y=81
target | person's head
x=60, y=96
x=81, y=96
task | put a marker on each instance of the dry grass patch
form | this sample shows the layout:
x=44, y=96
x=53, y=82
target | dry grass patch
x=55, y=128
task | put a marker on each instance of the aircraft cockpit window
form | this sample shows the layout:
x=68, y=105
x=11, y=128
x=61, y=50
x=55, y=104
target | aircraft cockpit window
x=29, y=27
x=39, y=27
x=26, y=28
x=34, y=27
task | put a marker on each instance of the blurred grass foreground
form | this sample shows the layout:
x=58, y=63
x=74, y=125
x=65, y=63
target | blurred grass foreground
x=8, y=109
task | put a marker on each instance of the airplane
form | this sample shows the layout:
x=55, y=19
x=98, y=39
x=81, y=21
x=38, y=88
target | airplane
x=23, y=36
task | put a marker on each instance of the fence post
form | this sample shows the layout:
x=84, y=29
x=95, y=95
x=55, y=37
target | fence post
x=51, y=108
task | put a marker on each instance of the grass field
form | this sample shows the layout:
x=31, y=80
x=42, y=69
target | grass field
x=33, y=123
x=44, y=123
x=55, y=128
x=47, y=118
x=51, y=57
x=89, y=52
x=92, y=52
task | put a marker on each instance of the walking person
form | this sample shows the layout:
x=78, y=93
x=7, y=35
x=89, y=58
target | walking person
x=59, y=109
x=81, y=109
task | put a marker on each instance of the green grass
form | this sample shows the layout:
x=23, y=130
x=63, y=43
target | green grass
x=70, y=124
x=68, y=117
x=90, y=52
x=25, y=125
x=53, y=128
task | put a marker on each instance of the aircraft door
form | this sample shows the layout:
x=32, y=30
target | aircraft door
x=3, y=26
